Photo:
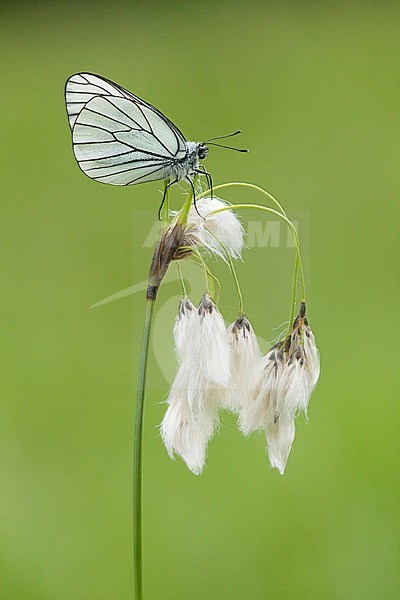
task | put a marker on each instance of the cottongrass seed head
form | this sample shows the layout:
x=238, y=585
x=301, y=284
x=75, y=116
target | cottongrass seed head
x=203, y=353
x=255, y=413
x=245, y=361
x=216, y=233
x=185, y=319
x=289, y=373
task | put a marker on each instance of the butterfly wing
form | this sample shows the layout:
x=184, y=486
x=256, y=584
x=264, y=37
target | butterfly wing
x=117, y=137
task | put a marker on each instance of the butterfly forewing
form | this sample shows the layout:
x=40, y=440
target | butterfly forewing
x=117, y=137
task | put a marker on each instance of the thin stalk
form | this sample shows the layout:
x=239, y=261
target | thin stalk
x=216, y=281
x=202, y=261
x=235, y=279
x=181, y=280
x=138, y=454
x=232, y=269
x=158, y=269
x=249, y=185
x=298, y=266
x=294, y=295
x=284, y=218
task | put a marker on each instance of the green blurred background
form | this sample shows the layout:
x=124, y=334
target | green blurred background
x=313, y=87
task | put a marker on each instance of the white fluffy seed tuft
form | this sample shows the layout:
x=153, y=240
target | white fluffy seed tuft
x=204, y=372
x=257, y=412
x=187, y=427
x=214, y=232
x=184, y=322
x=287, y=377
x=245, y=364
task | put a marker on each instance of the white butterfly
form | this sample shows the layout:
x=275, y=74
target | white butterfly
x=122, y=140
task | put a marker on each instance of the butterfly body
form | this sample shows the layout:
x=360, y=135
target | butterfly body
x=189, y=165
x=120, y=139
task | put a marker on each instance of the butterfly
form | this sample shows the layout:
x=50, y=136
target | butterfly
x=120, y=139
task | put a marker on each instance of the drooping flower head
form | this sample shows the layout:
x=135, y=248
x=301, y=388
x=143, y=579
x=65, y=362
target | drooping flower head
x=213, y=350
x=256, y=413
x=245, y=356
x=203, y=352
x=184, y=322
x=288, y=376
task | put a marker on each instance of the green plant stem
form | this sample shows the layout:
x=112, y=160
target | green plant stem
x=298, y=267
x=294, y=295
x=181, y=220
x=138, y=454
x=284, y=218
x=212, y=277
x=235, y=279
x=232, y=269
x=181, y=280
x=248, y=185
x=198, y=255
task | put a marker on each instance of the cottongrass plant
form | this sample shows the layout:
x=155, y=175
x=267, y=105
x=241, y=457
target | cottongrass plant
x=218, y=367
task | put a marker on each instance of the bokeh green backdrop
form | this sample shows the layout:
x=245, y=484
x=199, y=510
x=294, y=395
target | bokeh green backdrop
x=313, y=86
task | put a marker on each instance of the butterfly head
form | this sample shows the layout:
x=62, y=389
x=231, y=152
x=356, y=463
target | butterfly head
x=202, y=150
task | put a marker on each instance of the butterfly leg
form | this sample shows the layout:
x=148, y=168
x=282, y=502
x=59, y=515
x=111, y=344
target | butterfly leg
x=194, y=196
x=165, y=195
x=203, y=171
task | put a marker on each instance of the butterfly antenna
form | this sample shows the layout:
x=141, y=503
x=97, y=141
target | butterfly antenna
x=228, y=147
x=223, y=137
